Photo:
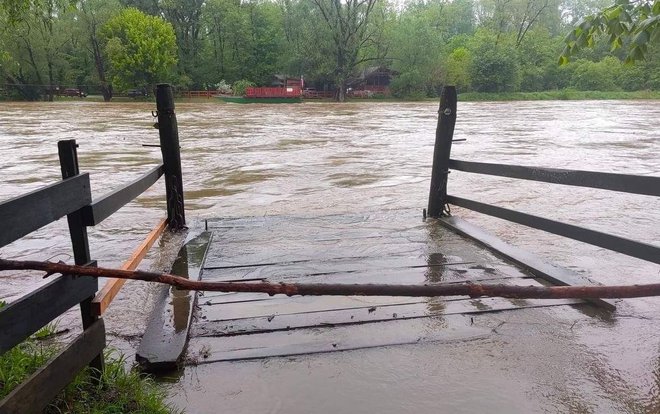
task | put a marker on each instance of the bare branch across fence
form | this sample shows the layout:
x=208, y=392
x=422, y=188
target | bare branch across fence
x=320, y=289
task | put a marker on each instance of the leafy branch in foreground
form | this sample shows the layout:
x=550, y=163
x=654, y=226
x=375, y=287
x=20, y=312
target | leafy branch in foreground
x=633, y=23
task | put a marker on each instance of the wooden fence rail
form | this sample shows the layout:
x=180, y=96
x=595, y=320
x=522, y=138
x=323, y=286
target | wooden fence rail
x=71, y=197
x=625, y=183
x=442, y=163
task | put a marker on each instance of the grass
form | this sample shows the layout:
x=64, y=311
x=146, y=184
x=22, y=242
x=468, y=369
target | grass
x=563, y=94
x=120, y=391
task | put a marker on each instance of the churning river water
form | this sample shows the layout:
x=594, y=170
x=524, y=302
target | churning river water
x=321, y=158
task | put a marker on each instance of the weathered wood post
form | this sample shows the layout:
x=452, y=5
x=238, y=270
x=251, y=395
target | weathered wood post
x=169, y=146
x=444, y=134
x=68, y=154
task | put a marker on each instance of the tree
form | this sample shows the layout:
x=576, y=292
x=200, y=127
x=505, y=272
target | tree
x=351, y=31
x=186, y=18
x=308, y=48
x=494, y=65
x=635, y=23
x=141, y=49
x=38, y=38
x=92, y=15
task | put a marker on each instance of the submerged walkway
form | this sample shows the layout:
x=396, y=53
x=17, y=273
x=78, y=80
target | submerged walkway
x=393, y=247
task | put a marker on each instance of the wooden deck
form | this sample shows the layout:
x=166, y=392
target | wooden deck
x=389, y=247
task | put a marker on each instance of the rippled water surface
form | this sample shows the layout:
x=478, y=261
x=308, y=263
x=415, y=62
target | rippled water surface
x=315, y=159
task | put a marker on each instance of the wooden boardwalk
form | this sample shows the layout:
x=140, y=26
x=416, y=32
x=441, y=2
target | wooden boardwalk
x=389, y=247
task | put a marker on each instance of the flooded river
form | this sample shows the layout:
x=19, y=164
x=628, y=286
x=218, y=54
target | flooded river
x=317, y=159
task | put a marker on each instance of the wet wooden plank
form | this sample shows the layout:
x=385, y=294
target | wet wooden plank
x=35, y=393
x=338, y=266
x=297, y=304
x=313, y=304
x=396, y=247
x=165, y=338
x=355, y=316
x=25, y=316
x=291, y=234
x=112, y=286
x=550, y=272
x=24, y=214
x=276, y=247
x=216, y=298
x=453, y=328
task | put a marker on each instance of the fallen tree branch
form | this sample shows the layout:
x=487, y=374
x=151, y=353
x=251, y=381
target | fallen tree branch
x=319, y=289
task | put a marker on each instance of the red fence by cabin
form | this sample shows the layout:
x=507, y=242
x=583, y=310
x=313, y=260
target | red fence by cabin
x=270, y=92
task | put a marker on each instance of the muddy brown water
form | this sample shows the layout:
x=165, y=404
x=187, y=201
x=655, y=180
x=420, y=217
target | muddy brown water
x=316, y=159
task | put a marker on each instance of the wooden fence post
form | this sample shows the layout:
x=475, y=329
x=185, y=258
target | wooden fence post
x=69, y=164
x=169, y=146
x=443, y=137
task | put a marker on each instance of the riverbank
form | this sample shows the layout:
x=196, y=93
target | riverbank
x=558, y=95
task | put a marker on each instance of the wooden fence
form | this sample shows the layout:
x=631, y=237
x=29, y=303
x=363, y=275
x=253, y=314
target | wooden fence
x=71, y=197
x=272, y=92
x=443, y=163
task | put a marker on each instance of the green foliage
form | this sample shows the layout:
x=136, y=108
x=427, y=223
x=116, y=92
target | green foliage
x=596, y=76
x=502, y=45
x=141, y=49
x=239, y=87
x=563, y=94
x=628, y=23
x=409, y=85
x=457, y=68
x=494, y=67
x=119, y=391
x=20, y=362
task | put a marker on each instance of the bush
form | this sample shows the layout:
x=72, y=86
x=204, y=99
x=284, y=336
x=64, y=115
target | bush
x=410, y=85
x=239, y=87
x=494, y=69
x=597, y=76
x=456, y=67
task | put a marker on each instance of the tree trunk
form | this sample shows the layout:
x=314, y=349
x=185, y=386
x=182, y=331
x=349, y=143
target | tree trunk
x=50, y=81
x=341, y=92
x=106, y=88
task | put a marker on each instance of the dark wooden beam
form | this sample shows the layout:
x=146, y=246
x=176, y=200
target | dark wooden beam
x=104, y=207
x=24, y=214
x=25, y=316
x=68, y=154
x=443, y=137
x=625, y=183
x=170, y=148
x=618, y=244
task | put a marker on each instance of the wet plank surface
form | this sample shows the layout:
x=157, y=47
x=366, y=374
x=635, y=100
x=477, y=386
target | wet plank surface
x=388, y=247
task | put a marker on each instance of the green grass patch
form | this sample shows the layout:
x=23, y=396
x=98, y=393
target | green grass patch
x=564, y=94
x=119, y=391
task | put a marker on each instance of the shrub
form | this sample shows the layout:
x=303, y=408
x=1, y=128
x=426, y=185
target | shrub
x=239, y=87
